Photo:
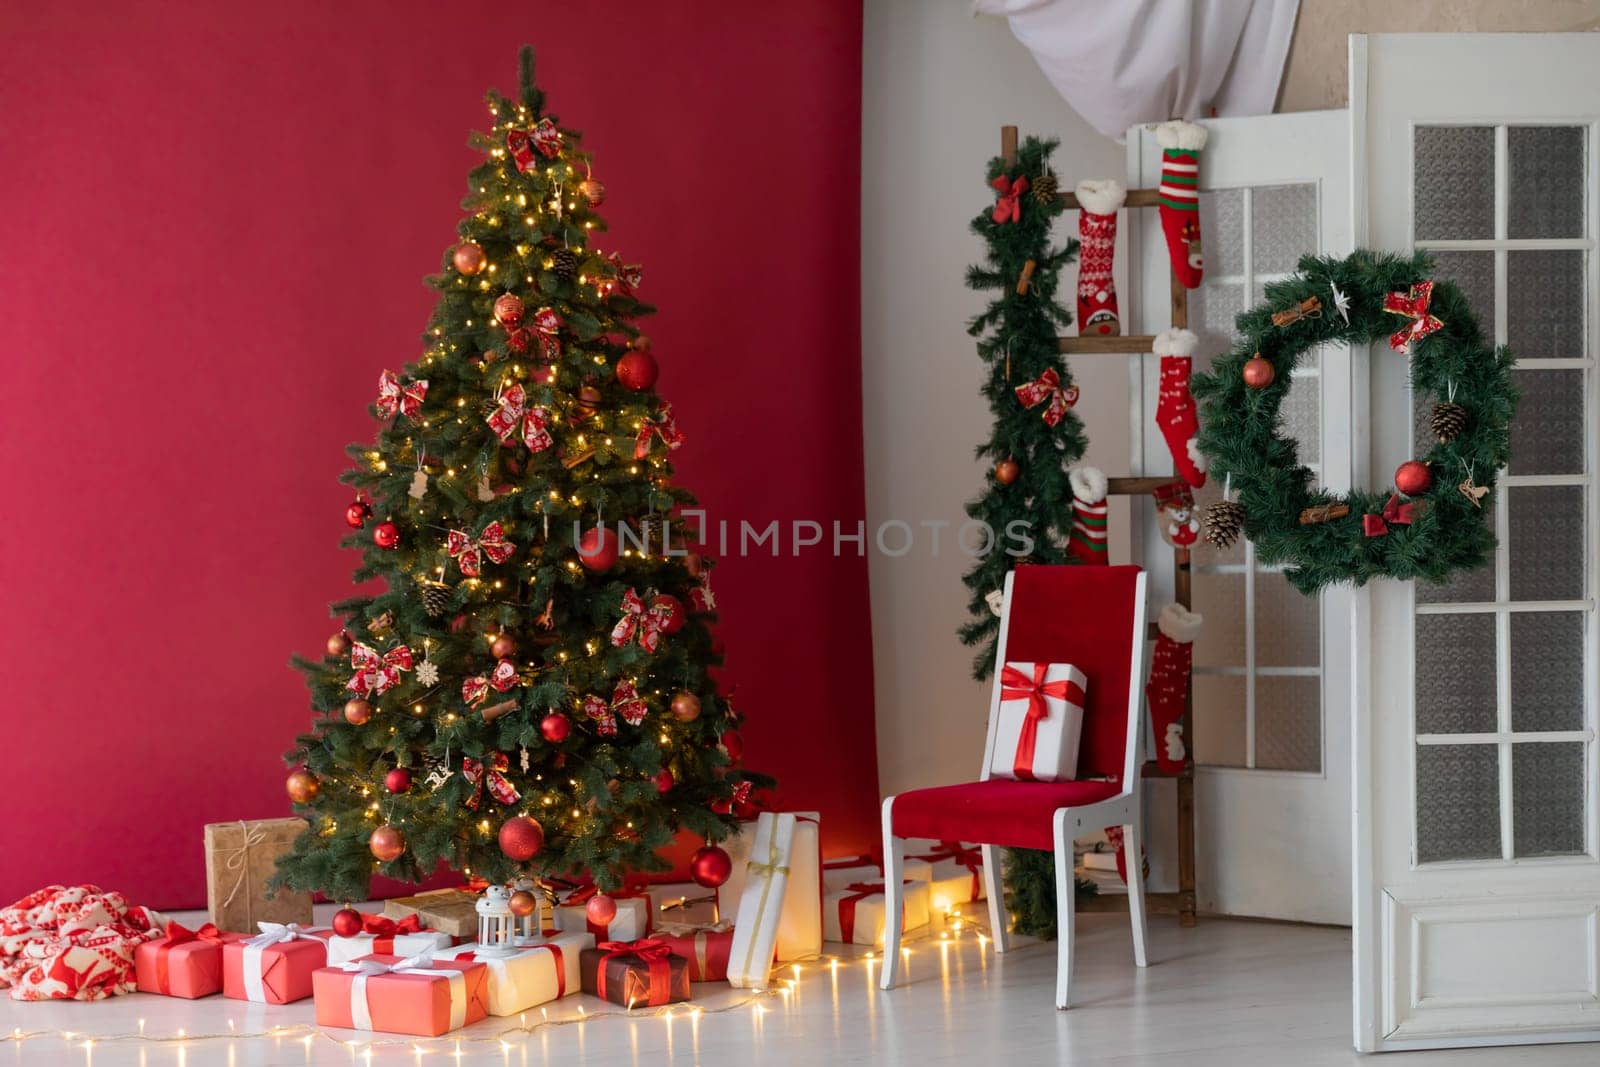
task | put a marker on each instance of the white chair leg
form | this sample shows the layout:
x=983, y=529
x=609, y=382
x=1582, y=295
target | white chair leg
x=1066, y=910
x=995, y=890
x=1134, y=864
x=894, y=861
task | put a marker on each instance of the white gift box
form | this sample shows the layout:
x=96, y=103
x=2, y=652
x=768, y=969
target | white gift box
x=855, y=916
x=342, y=950
x=836, y=874
x=755, y=930
x=537, y=974
x=956, y=871
x=800, y=924
x=738, y=849
x=633, y=919
x=1041, y=717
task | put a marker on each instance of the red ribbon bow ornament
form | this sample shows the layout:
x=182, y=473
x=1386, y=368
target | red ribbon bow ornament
x=475, y=689
x=1413, y=304
x=544, y=138
x=547, y=323
x=624, y=276
x=383, y=926
x=469, y=552
x=657, y=956
x=625, y=701
x=664, y=424
x=638, y=619
x=1048, y=387
x=1009, y=208
x=513, y=407
x=394, y=397
x=1015, y=685
x=375, y=673
x=489, y=773
x=1395, y=513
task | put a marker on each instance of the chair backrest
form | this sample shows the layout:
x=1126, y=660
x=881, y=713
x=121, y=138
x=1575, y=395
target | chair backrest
x=1092, y=617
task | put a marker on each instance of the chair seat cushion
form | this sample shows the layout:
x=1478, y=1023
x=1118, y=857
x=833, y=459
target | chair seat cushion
x=996, y=812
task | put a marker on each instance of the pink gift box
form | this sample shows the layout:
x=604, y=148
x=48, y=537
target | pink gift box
x=273, y=971
x=185, y=963
x=402, y=996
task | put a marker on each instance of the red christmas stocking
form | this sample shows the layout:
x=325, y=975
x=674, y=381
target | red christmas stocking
x=1099, y=202
x=1169, y=683
x=1175, y=410
x=1180, y=197
x=1115, y=840
x=1088, y=539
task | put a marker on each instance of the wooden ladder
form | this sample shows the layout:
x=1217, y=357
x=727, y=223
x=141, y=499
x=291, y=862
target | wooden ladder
x=1181, y=903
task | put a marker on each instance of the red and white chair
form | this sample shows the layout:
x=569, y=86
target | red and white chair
x=1094, y=618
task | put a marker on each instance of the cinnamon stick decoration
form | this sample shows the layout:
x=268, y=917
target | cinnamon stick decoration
x=1025, y=280
x=494, y=711
x=572, y=459
x=1309, y=308
x=1323, y=513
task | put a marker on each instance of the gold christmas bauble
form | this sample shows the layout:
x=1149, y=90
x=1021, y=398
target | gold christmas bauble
x=592, y=191
x=523, y=903
x=1006, y=471
x=503, y=646
x=387, y=843
x=302, y=786
x=468, y=257
x=685, y=706
x=357, y=711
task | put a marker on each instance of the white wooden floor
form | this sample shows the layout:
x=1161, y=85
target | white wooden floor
x=1232, y=993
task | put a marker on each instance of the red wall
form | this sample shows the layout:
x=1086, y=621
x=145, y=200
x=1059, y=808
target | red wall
x=215, y=222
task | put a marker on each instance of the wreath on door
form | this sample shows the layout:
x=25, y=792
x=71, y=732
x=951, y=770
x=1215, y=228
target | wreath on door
x=1432, y=523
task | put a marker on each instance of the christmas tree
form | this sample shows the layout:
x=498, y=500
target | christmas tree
x=529, y=694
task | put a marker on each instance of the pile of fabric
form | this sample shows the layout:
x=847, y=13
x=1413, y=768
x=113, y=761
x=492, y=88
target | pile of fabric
x=72, y=943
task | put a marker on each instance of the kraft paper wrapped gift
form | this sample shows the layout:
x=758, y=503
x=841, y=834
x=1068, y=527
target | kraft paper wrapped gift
x=855, y=914
x=800, y=924
x=536, y=975
x=1041, y=718
x=956, y=871
x=755, y=927
x=186, y=963
x=395, y=995
x=383, y=936
x=240, y=857
x=451, y=911
x=635, y=974
x=707, y=948
x=275, y=966
x=634, y=919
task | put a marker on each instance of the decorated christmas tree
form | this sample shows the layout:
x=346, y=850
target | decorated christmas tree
x=529, y=694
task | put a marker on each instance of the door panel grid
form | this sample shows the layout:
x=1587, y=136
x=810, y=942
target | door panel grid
x=1504, y=669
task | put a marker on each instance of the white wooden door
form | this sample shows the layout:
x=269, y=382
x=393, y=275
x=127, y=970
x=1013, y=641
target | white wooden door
x=1478, y=885
x=1272, y=667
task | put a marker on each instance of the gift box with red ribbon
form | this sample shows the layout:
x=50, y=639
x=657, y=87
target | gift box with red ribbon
x=184, y=963
x=635, y=974
x=383, y=936
x=274, y=966
x=848, y=870
x=707, y=948
x=955, y=871
x=856, y=913
x=451, y=911
x=1041, y=718
x=396, y=995
x=635, y=916
x=536, y=974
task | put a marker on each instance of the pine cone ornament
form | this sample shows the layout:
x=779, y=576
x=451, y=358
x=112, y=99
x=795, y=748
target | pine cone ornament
x=1046, y=189
x=564, y=263
x=435, y=598
x=1224, y=522
x=1447, y=421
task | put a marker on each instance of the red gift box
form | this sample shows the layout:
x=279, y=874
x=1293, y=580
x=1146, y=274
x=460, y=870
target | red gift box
x=275, y=966
x=641, y=973
x=420, y=996
x=707, y=948
x=185, y=963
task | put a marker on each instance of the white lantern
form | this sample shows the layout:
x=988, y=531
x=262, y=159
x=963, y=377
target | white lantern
x=496, y=924
x=528, y=930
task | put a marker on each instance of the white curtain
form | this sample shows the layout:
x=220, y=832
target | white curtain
x=1123, y=62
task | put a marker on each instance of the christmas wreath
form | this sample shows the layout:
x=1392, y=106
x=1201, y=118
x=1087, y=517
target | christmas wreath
x=1432, y=523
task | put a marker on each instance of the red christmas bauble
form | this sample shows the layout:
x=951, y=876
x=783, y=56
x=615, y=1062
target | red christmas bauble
x=508, y=309
x=397, y=780
x=600, y=909
x=638, y=370
x=555, y=727
x=685, y=706
x=1258, y=372
x=347, y=922
x=357, y=711
x=734, y=744
x=672, y=614
x=1006, y=471
x=468, y=257
x=504, y=646
x=523, y=903
x=710, y=866
x=1413, y=478
x=357, y=514
x=545, y=375
x=521, y=838
x=597, y=549
x=386, y=535
x=387, y=843
x=302, y=786
x=338, y=644
x=592, y=191
x=664, y=781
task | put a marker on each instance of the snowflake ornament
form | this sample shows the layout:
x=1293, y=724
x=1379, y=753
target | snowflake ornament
x=1341, y=301
x=427, y=673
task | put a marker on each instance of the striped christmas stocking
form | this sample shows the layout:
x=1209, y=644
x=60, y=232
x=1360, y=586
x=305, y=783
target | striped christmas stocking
x=1088, y=539
x=1180, y=197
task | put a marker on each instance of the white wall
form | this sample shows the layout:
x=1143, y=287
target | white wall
x=938, y=85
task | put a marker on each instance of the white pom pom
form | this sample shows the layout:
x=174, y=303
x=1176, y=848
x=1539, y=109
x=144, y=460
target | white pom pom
x=1181, y=135
x=1101, y=196
x=1175, y=343
x=1178, y=623
x=1088, y=484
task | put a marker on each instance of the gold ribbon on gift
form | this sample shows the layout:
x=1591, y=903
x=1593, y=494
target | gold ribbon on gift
x=239, y=860
x=766, y=872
